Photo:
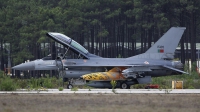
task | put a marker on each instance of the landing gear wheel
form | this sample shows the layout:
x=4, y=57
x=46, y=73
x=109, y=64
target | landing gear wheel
x=69, y=86
x=124, y=85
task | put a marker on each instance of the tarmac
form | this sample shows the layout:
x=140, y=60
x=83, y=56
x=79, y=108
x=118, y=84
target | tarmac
x=103, y=91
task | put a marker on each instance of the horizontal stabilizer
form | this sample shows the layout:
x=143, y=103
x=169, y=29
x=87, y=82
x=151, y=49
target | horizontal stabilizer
x=175, y=69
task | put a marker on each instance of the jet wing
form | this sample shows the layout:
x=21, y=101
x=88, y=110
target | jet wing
x=146, y=68
x=175, y=69
x=137, y=69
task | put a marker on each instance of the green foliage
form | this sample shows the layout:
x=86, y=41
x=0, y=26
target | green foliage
x=60, y=88
x=48, y=82
x=74, y=89
x=138, y=86
x=22, y=83
x=189, y=81
x=113, y=83
x=25, y=23
x=7, y=84
x=1, y=74
x=34, y=83
x=45, y=82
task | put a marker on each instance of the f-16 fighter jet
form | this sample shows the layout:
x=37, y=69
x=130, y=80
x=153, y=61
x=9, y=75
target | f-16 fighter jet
x=155, y=62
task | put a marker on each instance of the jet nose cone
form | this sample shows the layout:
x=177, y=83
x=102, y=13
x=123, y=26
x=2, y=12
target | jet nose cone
x=25, y=66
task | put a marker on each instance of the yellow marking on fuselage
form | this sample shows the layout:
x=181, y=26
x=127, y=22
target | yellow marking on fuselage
x=113, y=74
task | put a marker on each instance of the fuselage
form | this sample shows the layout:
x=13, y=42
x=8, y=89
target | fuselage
x=77, y=67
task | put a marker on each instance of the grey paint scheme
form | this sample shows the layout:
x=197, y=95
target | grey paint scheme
x=79, y=67
x=149, y=64
x=169, y=41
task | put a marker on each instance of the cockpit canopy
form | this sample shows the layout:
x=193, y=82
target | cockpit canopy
x=71, y=44
x=66, y=41
x=78, y=46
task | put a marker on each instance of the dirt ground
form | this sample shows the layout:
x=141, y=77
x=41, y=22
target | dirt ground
x=99, y=102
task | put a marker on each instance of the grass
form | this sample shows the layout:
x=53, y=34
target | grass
x=60, y=88
x=191, y=81
x=7, y=84
x=74, y=88
x=99, y=102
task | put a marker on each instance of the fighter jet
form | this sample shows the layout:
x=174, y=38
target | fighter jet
x=155, y=62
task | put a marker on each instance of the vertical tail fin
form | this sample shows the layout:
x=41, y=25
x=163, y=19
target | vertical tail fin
x=165, y=47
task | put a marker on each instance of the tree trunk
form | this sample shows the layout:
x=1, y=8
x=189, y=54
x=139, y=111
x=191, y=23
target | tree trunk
x=2, y=59
x=192, y=35
x=149, y=37
x=92, y=40
x=182, y=39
